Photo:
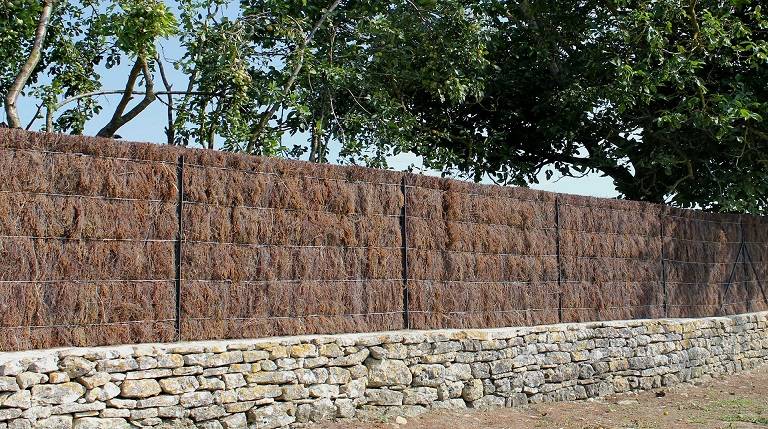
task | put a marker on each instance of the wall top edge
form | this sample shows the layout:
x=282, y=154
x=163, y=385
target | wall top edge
x=375, y=338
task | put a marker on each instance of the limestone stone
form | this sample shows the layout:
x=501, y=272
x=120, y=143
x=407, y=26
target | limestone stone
x=254, y=393
x=473, y=390
x=207, y=413
x=303, y=351
x=117, y=365
x=233, y=381
x=8, y=384
x=26, y=380
x=158, y=401
x=196, y=399
x=255, y=355
x=338, y=375
x=54, y=422
x=355, y=388
x=76, y=407
x=419, y=396
x=137, y=389
x=293, y=392
x=324, y=391
x=388, y=372
x=108, y=391
x=322, y=410
x=58, y=377
x=488, y=401
x=179, y=385
x=44, y=363
x=235, y=421
x=21, y=399
x=351, y=359
x=101, y=423
x=430, y=375
x=76, y=366
x=96, y=380
x=458, y=372
x=13, y=367
x=384, y=397
x=57, y=393
x=19, y=424
x=170, y=361
x=211, y=383
x=9, y=413
x=271, y=416
x=272, y=377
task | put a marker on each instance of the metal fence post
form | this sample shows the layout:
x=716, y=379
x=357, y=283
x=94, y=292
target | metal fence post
x=559, y=265
x=404, y=238
x=744, y=266
x=179, y=239
x=735, y=265
x=662, y=216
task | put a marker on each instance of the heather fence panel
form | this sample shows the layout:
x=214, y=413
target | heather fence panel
x=106, y=242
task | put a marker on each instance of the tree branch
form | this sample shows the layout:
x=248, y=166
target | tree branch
x=119, y=119
x=256, y=135
x=170, y=133
x=35, y=116
x=29, y=66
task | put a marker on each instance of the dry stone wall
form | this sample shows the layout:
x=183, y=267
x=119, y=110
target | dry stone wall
x=289, y=382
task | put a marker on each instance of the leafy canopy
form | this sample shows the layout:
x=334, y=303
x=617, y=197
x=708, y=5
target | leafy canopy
x=666, y=97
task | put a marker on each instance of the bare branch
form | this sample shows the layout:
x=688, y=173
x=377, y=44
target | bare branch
x=29, y=66
x=292, y=79
x=171, y=131
x=119, y=119
x=35, y=116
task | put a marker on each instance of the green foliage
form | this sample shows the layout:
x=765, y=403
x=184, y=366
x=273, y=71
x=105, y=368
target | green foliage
x=140, y=24
x=666, y=97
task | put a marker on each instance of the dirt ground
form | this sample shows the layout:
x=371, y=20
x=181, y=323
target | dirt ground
x=735, y=402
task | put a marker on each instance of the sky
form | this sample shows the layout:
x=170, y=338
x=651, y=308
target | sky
x=149, y=126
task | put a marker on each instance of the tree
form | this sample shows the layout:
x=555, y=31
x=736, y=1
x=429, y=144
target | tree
x=665, y=97
x=53, y=49
x=349, y=77
x=668, y=98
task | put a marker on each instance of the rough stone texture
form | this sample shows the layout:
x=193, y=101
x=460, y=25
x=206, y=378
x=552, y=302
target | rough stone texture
x=274, y=383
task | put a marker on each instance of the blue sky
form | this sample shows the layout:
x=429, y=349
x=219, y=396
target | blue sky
x=148, y=127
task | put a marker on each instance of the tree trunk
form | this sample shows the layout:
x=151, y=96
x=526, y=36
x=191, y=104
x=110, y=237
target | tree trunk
x=29, y=66
x=119, y=119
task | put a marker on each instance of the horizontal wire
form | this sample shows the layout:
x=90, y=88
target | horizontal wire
x=88, y=281
x=135, y=240
x=543, y=281
x=320, y=246
x=299, y=176
x=469, y=222
x=713, y=241
x=612, y=209
x=91, y=197
x=474, y=194
x=240, y=206
x=724, y=222
x=87, y=155
x=307, y=316
x=410, y=216
x=291, y=281
x=716, y=305
x=712, y=263
x=621, y=234
x=126, y=322
x=523, y=310
x=291, y=246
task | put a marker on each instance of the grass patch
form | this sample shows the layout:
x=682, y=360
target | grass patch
x=744, y=418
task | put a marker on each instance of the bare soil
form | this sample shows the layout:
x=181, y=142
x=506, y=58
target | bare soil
x=732, y=402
